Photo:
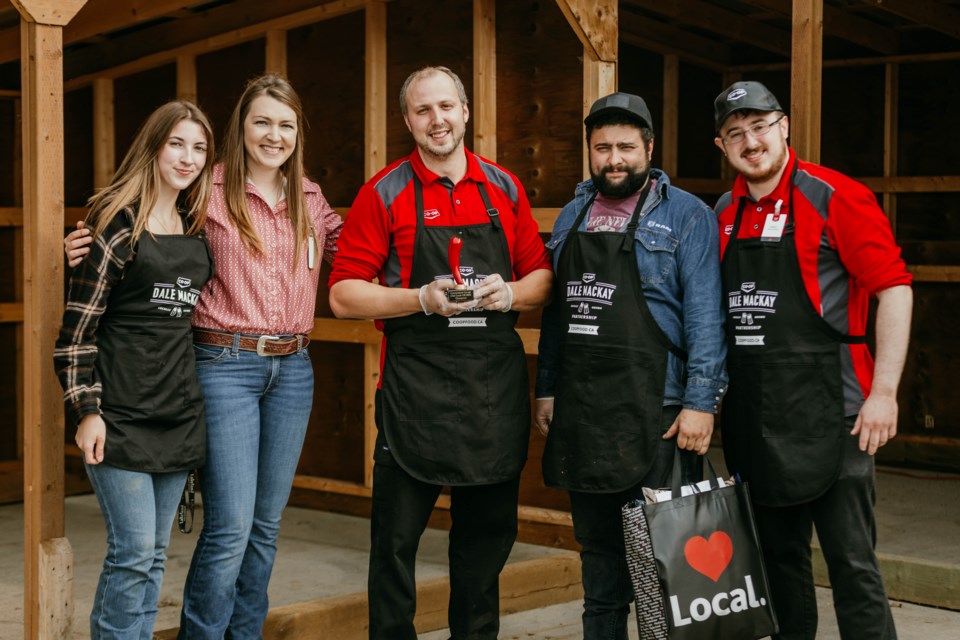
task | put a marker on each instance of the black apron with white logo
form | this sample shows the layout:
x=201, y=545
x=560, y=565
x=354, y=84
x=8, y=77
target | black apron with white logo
x=610, y=387
x=151, y=399
x=455, y=396
x=783, y=416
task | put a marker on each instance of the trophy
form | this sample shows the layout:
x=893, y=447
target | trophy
x=460, y=293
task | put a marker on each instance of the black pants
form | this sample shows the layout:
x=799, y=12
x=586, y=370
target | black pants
x=846, y=529
x=598, y=527
x=483, y=531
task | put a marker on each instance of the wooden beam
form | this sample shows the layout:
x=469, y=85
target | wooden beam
x=375, y=65
x=41, y=76
x=13, y=216
x=806, y=78
x=595, y=23
x=371, y=378
x=104, y=161
x=599, y=79
x=484, y=110
x=933, y=15
x=663, y=38
x=844, y=25
x=19, y=258
x=11, y=312
x=187, y=77
x=838, y=63
x=913, y=184
x=728, y=24
x=934, y=273
x=669, y=132
x=52, y=13
x=96, y=17
x=276, y=52
x=890, y=137
x=325, y=11
x=171, y=34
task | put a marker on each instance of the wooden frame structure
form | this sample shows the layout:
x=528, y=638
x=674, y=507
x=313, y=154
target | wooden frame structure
x=597, y=25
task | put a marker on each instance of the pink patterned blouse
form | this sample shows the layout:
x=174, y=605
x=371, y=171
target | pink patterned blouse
x=261, y=293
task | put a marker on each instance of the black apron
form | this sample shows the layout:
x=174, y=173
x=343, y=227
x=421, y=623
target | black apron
x=783, y=416
x=609, y=396
x=151, y=399
x=455, y=397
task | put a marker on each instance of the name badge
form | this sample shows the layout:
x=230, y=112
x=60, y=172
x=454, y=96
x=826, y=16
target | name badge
x=774, y=225
x=311, y=251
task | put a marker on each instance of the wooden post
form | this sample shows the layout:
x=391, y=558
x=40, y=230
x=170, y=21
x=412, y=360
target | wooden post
x=104, y=162
x=276, y=53
x=599, y=79
x=668, y=138
x=375, y=140
x=371, y=375
x=890, y=138
x=485, y=78
x=806, y=78
x=187, y=77
x=47, y=602
x=375, y=115
x=595, y=23
x=18, y=261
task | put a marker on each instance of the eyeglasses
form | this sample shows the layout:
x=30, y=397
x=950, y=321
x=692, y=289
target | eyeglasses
x=757, y=131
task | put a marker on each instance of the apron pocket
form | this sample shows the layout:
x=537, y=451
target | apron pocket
x=129, y=370
x=609, y=389
x=432, y=385
x=508, y=390
x=795, y=398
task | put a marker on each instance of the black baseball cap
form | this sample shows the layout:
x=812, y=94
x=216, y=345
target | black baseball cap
x=623, y=103
x=743, y=96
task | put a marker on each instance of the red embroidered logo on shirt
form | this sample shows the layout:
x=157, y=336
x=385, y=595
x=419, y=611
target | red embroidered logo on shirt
x=430, y=214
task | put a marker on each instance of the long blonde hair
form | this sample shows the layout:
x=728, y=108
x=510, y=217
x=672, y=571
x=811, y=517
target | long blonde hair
x=234, y=159
x=136, y=183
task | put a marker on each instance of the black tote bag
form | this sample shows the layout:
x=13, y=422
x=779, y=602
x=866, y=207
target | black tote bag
x=696, y=566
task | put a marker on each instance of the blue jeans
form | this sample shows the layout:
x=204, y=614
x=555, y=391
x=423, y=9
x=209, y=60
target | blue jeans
x=257, y=408
x=138, y=509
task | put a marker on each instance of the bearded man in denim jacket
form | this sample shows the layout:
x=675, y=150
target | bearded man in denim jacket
x=632, y=349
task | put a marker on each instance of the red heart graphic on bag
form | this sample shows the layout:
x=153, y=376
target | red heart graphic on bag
x=709, y=557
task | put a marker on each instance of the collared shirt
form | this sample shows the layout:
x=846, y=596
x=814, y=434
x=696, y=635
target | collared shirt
x=261, y=293
x=845, y=249
x=679, y=266
x=377, y=241
x=378, y=238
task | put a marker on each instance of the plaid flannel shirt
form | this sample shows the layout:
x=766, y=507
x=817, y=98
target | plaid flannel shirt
x=90, y=286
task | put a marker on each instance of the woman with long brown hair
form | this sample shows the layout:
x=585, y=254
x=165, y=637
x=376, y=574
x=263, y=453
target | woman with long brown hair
x=267, y=225
x=125, y=361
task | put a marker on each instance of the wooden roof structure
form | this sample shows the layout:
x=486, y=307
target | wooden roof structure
x=49, y=45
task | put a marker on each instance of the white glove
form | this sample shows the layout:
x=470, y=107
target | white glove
x=493, y=294
x=423, y=301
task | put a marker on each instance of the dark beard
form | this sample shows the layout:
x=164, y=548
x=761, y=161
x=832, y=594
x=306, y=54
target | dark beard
x=625, y=189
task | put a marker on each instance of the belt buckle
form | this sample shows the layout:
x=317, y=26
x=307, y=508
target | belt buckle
x=262, y=343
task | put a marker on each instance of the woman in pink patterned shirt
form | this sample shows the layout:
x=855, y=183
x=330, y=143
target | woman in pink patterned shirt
x=267, y=225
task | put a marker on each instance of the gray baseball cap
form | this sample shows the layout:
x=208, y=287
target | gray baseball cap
x=625, y=103
x=743, y=96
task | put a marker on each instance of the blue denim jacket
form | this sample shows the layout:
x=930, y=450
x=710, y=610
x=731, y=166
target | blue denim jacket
x=678, y=257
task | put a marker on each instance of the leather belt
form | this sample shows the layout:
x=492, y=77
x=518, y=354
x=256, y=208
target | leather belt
x=263, y=345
